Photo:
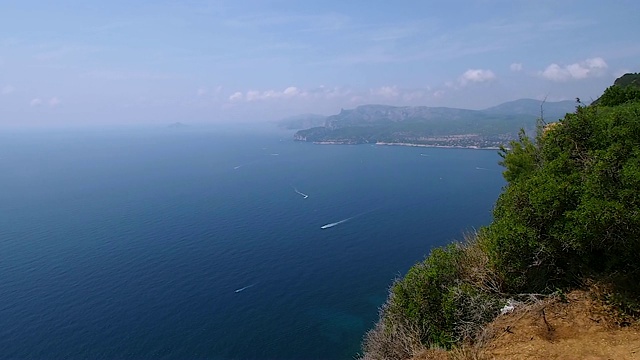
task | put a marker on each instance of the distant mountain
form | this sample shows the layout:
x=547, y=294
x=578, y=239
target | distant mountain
x=303, y=121
x=552, y=111
x=177, y=125
x=433, y=126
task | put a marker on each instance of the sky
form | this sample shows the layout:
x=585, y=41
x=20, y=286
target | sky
x=198, y=61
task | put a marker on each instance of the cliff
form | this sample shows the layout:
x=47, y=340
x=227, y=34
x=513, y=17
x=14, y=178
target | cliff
x=432, y=126
x=568, y=216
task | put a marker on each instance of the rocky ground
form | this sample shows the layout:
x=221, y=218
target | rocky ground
x=575, y=327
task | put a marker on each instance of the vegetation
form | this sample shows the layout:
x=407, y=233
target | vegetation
x=570, y=212
x=624, y=89
x=440, y=302
x=431, y=126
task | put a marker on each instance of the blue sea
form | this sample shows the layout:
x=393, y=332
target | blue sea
x=207, y=242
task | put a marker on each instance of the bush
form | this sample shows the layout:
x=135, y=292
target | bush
x=442, y=301
x=618, y=95
x=574, y=209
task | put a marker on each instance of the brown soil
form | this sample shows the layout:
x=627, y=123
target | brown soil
x=578, y=328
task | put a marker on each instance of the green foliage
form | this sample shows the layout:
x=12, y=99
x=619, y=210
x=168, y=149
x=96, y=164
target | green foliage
x=570, y=211
x=522, y=158
x=422, y=297
x=440, y=302
x=572, y=204
x=617, y=95
x=628, y=79
x=623, y=293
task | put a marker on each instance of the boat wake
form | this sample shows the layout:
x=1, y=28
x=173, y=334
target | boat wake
x=237, y=167
x=244, y=288
x=330, y=225
x=481, y=168
x=335, y=223
x=304, y=196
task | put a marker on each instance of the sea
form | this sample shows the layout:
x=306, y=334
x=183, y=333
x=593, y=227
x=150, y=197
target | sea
x=216, y=242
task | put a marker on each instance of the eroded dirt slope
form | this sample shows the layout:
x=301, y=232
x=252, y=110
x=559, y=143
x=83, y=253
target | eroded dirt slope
x=578, y=328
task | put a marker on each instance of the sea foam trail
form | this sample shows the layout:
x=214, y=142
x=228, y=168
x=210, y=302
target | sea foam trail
x=301, y=193
x=345, y=220
x=335, y=223
x=244, y=288
x=481, y=168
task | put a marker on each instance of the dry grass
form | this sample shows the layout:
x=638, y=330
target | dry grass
x=476, y=295
x=474, y=266
x=576, y=326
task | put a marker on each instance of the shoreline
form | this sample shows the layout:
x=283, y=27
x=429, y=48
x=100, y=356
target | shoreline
x=472, y=147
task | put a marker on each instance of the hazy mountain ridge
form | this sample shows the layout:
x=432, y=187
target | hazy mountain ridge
x=302, y=121
x=433, y=126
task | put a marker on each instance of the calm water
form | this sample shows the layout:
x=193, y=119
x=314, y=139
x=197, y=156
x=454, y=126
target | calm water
x=188, y=243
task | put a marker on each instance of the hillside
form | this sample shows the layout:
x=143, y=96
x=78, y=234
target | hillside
x=303, y=121
x=576, y=327
x=433, y=126
x=568, y=217
x=628, y=80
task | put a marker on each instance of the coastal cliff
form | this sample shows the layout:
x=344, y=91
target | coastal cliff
x=565, y=230
x=432, y=126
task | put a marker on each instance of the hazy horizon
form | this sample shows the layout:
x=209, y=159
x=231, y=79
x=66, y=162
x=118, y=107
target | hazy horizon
x=211, y=62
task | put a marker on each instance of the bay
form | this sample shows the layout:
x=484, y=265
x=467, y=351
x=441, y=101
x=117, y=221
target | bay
x=209, y=242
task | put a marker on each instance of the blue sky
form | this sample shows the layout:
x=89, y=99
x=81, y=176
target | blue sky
x=95, y=62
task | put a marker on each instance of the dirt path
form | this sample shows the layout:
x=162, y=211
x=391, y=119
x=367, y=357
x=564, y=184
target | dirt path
x=576, y=329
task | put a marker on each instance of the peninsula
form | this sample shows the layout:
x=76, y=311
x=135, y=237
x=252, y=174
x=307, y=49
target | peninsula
x=431, y=126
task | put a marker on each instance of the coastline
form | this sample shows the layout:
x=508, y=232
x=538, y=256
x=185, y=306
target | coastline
x=472, y=147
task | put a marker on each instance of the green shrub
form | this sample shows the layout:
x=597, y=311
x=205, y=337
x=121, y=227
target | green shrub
x=618, y=95
x=574, y=210
x=442, y=301
x=422, y=296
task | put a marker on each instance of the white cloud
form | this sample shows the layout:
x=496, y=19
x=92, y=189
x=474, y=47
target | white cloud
x=556, y=73
x=386, y=91
x=322, y=93
x=7, y=89
x=414, y=95
x=236, y=96
x=291, y=91
x=516, y=67
x=439, y=93
x=357, y=99
x=52, y=102
x=330, y=92
x=581, y=70
x=253, y=95
x=476, y=76
x=201, y=91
